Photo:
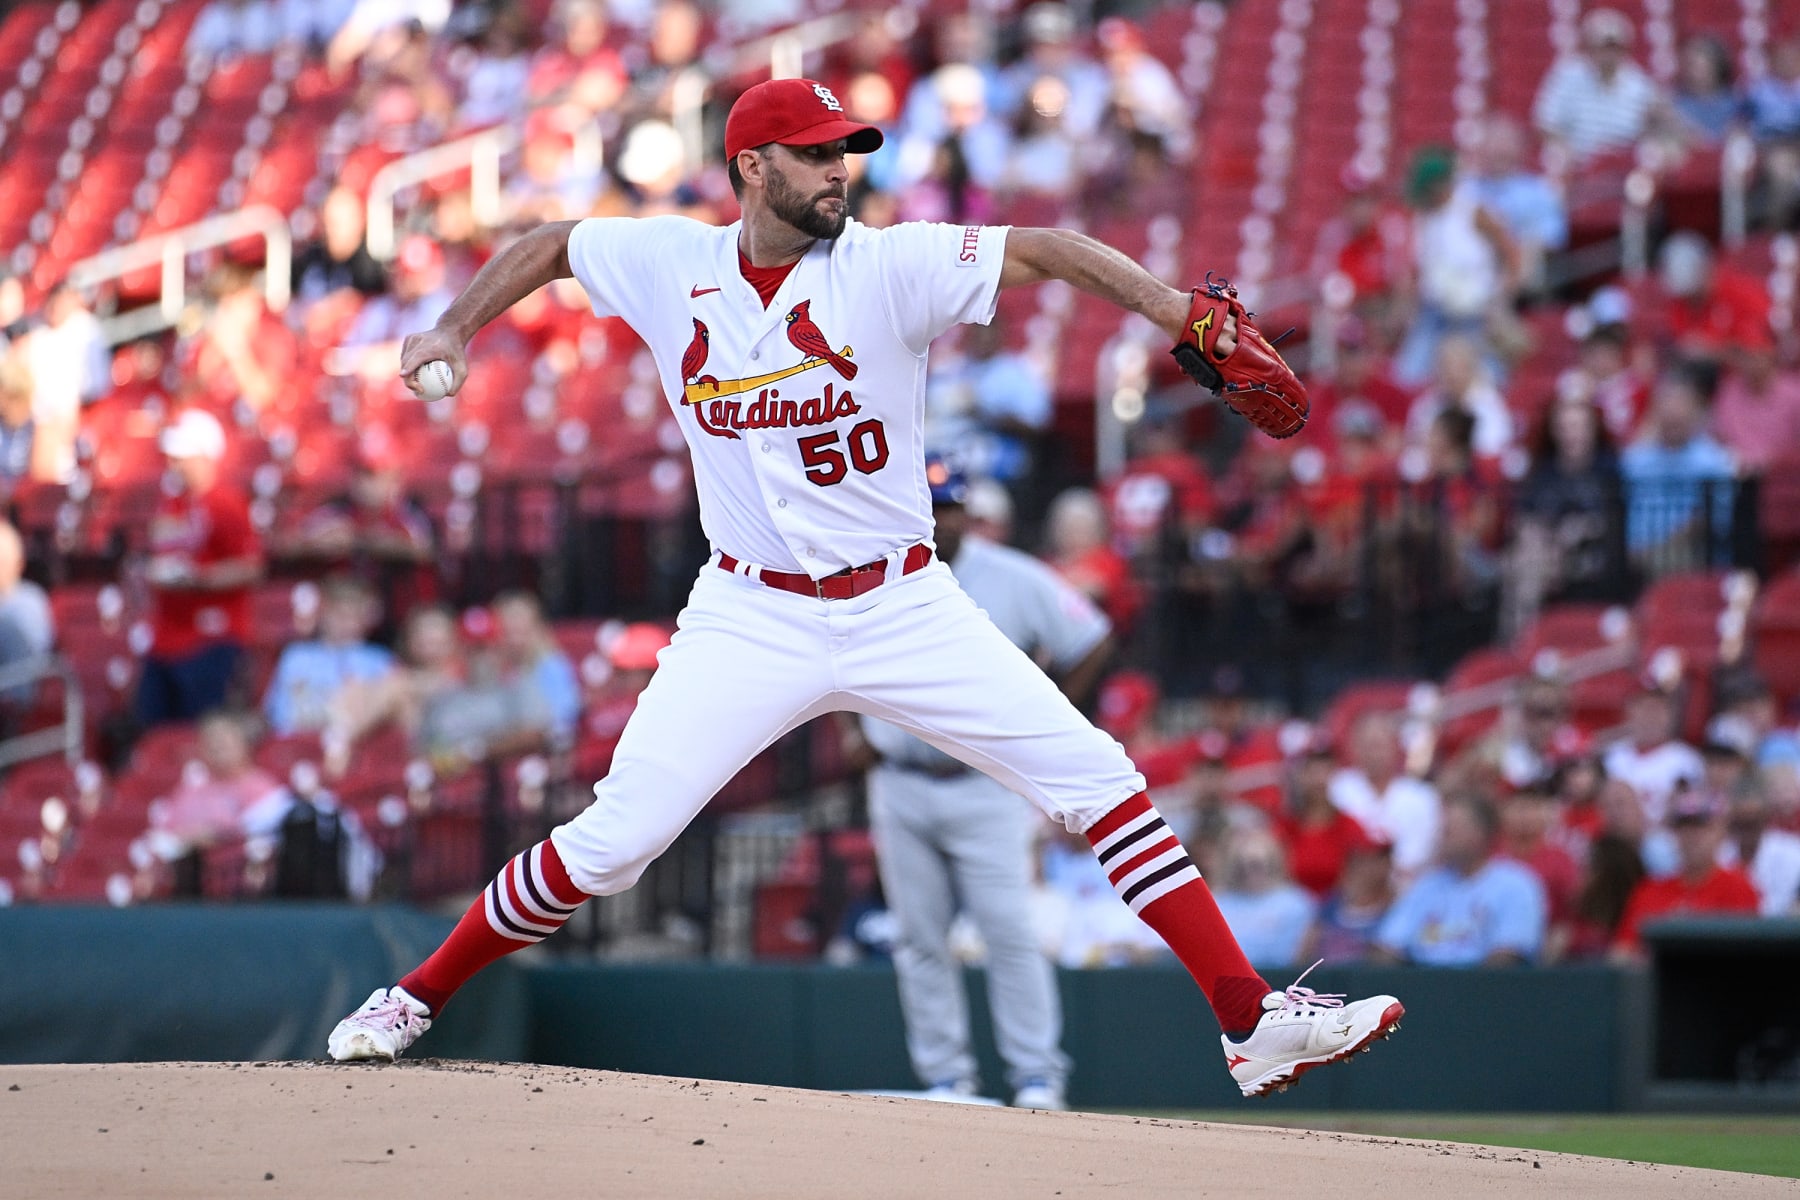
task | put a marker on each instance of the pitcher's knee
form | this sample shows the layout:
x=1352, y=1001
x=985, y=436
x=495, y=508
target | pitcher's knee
x=602, y=862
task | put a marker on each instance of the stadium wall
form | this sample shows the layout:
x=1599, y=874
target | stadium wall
x=268, y=981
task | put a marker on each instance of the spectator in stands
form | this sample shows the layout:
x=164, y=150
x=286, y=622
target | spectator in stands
x=1675, y=474
x=1749, y=720
x=653, y=173
x=27, y=629
x=1769, y=856
x=1145, y=97
x=1269, y=914
x=1391, y=805
x=311, y=24
x=1087, y=926
x=1610, y=874
x=1472, y=910
x=1526, y=202
x=1466, y=264
x=1568, y=540
x=1359, y=392
x=1461, y=381
x=987, y=407
x=957, y=37
x=1044, y=158
x=1051, y=48
x=1350, y=916
x=418, y=297
x=550, y=186
x=630, y=663
x=1598, y=100
x=244, y=354
x=676, y=31
x=494, y=87
x=336, y=263
x=70, y=366
x=310, y=676
x=528, y=658
x=375, y=29
x=205, y=555
x=580, y=68
x=1522, y=748
x=1079, y=548
x=1756, y=411
x=1651, y=758
x=375, y=531
x=18, y=440
x=1162, y=499
x=1699, y=885
x=217, y=802
x=1453, y=518
x=1772, y=109
x=1363, y=257
x=1709, y=308
x=229, y=29
x=1705, y=97
x=952, y=167
x=1612, y=373
x=1320, y=837
x=1527, y=821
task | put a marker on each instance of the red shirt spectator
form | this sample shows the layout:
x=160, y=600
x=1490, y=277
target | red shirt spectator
x=191, y=532
x=1710, y=308
x=1723, y=890
x=1700, y=885
x=1162, y=481
x=1317, y=852
x=1080, y=553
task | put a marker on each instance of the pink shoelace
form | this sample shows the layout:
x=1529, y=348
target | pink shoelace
x=391, y=1013
x=1299, y=997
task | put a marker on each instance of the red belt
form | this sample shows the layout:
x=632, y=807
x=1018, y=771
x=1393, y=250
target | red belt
x=842, y=585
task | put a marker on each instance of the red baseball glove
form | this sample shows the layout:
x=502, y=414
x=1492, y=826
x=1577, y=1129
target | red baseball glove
x=1253, y=379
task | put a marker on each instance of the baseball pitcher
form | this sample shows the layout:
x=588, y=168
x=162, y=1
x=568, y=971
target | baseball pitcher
x=792, y=348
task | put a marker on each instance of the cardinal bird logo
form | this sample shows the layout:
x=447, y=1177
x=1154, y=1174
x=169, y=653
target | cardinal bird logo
x=695, y=357
x=809, y=341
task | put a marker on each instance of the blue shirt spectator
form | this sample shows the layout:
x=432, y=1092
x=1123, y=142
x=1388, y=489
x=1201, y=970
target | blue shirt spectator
x=986, y=408
x=1474, y=910
x=1268, y=914
x=1675, y=469
x=310, y=676
x=528, y=657
x=1772, y=103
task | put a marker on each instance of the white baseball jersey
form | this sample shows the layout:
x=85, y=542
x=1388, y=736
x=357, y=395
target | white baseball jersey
x=803, y=419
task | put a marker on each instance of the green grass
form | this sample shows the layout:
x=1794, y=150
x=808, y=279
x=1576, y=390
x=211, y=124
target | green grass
x=1763, y=1145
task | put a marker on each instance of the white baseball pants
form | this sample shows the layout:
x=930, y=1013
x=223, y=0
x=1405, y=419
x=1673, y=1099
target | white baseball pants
x=749, y=662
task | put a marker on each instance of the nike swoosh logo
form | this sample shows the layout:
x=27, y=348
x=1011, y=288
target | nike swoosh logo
x=700, y=291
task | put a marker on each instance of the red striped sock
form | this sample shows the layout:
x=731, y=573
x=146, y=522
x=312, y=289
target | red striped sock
x=528, y=901
x=1154, y=875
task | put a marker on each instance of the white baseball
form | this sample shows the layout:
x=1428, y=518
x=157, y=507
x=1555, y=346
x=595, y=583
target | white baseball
x=434, y=379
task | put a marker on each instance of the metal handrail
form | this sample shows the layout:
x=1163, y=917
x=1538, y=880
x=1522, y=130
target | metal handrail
x=66, y=738
x=481, y=153
x=170, y=250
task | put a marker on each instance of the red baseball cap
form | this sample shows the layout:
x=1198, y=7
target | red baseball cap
x=794, y=112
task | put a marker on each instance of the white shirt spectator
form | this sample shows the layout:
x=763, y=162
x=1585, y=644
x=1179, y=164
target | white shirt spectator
x=1589, y=114
x=1459, y=269
x=1406, y=813
x=1494, y=428
x=1775, y=870
x=70, y=366
x=1653, y=773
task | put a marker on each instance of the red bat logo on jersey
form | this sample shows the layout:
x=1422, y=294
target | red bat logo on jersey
x=809, y=341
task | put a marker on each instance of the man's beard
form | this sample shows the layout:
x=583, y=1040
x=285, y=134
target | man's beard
x=802, y=212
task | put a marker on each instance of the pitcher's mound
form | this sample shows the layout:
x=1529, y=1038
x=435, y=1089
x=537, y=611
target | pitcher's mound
x=435, y=1129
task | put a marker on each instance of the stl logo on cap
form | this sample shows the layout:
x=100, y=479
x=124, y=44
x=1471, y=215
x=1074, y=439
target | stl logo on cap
x=826, y=98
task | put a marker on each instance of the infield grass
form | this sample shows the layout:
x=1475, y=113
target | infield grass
x=1762, y=1145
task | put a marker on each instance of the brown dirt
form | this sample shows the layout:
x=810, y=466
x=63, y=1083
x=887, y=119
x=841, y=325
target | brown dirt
x=441, y=1129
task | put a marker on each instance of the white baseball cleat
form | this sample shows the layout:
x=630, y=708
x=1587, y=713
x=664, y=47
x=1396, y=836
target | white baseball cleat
x=1042, y=1094
x=1301, y=1029
x=387, y=1023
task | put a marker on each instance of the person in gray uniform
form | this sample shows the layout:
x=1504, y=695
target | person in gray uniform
x=950, y=839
